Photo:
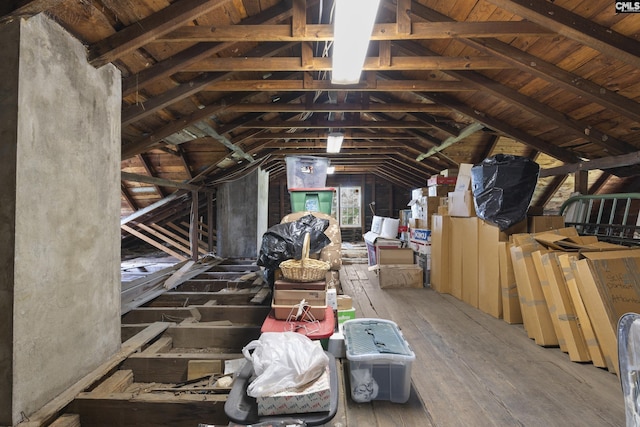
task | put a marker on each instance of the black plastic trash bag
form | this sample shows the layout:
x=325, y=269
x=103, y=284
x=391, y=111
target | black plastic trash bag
x=284, y=241
x=502, y=187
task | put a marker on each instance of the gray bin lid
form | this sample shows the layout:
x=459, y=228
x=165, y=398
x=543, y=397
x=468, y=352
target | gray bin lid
x=373, y=337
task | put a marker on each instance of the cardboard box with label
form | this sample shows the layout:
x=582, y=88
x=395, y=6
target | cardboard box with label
x=420, y=241
x=313, y=397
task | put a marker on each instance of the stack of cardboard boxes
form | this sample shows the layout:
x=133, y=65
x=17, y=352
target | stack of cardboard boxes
x=567, y=290
x=465, y=252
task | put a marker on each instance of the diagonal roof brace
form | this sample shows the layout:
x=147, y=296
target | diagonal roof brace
x=223, y=140
x=469, y=130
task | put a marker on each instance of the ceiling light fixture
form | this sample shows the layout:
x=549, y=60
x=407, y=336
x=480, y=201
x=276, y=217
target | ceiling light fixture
x=334, y=142
x=331, y=170
x=352, y=31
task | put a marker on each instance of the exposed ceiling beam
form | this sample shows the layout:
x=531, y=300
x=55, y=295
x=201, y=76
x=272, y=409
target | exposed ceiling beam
x=311, y=85
x=186, y=57
x=140, y=110
x=500, y=126
x=602, y=163
x=406, y=63
x=342, y=107
x=324, y=32
x=147, y=29
x=343, y=124
x=575, y=27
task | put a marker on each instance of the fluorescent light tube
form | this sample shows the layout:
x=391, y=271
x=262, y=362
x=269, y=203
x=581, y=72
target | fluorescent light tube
x=353, y=25
x=334, y=142
x=331, y=170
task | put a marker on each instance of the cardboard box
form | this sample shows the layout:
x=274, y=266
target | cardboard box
x=470, y=266
x=449, y=172
x=489, y=290
x=420, y=241
x=440, y=241
x=511, y=312
x=455, y=257
x=294, y=296
x=461, y=204
x=543, y=278
x=535, y=313
x=537, y=224
x=345, y=302
x=417, y=193
x=400, y=276
x=422, y=208
x=609, y=283
x=395, y=256
x=463, y=181
x=440, y=190
x=314, y=397
x=595, y=353
x=418, y=223
x=441, y=180
x=567, y=318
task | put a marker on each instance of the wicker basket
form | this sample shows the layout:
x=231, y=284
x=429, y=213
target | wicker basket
x=305, y=269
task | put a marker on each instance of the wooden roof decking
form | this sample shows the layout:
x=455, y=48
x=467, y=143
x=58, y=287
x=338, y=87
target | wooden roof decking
x=211, y=86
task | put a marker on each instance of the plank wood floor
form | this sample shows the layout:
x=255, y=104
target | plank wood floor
x=474, y=370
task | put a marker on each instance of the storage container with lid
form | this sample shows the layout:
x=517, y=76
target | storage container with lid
x=379, y=360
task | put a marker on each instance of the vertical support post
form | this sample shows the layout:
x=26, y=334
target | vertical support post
x=403, y=16
x=210, y=222
x=581, y=184
x=193, y=226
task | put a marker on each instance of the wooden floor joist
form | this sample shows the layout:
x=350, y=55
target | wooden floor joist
x=470, y=369
x=48, y=412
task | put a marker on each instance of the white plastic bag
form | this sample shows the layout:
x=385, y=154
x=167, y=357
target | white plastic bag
x=283, y=360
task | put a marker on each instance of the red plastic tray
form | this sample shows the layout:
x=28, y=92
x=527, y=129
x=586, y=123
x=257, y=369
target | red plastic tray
x=314, y=330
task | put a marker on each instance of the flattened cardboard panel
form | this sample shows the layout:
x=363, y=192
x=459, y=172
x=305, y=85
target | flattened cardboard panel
x=567, y=263
x=511, y=312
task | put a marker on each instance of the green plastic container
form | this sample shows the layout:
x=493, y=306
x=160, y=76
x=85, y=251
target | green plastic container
x=312, y=199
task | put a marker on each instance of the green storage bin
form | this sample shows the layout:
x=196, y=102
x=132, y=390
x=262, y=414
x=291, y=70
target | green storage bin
x=312, y=199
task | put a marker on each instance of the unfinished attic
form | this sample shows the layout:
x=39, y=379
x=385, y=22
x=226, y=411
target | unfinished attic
x=149, y=149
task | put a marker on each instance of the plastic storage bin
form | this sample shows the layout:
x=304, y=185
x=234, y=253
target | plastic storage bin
x=306, y=171
x=312, y=199
x=380, y=360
